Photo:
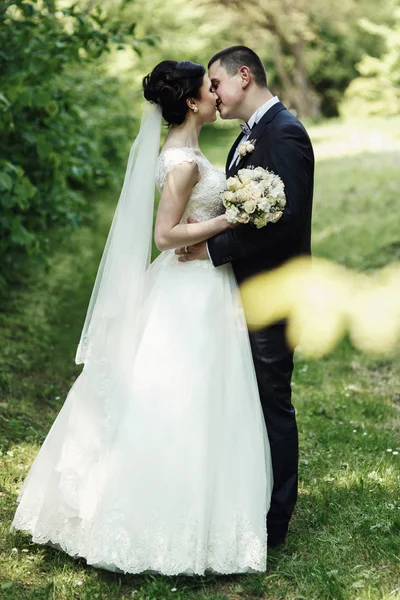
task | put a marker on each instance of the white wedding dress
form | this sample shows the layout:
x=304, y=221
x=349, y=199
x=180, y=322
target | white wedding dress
x=183, y=484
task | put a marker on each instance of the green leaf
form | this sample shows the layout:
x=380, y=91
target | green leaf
x=19, y=235
x=137, y=48
x=4, y=100
x=28, y=9
x=44, y=148
x=6, y=181
x=52, y=108
x=25, y=192
x=41, y=97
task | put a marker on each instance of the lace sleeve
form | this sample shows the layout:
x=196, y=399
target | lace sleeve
x=169, y=159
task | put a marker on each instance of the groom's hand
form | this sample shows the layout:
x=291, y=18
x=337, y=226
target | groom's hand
x=195, y=252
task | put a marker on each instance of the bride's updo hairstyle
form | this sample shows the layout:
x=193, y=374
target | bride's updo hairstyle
x=170, y=84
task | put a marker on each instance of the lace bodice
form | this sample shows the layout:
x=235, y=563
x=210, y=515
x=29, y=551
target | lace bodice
x=204, y=203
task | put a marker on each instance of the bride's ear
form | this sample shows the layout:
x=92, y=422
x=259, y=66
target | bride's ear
x=192, y=104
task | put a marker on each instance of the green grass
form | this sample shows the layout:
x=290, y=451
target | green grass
x=344, y=541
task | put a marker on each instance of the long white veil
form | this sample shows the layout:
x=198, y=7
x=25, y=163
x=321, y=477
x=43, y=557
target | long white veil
x=110, y=330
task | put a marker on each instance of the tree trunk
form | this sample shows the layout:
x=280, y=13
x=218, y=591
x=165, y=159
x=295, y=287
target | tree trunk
x=289, y=92
x=298, y=90
x=309, y=103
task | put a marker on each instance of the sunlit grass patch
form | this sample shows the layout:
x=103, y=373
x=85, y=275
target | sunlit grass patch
x=349, y=138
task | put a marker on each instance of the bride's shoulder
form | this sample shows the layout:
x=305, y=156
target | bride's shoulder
x=171, y=157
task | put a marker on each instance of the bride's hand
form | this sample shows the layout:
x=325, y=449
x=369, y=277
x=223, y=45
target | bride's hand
x=230, y=225
x=233, y=225
x=225, y=222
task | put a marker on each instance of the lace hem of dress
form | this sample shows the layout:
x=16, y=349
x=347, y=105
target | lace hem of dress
x=237, y=550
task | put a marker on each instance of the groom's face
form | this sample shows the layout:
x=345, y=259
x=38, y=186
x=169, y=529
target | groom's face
x=229, y=90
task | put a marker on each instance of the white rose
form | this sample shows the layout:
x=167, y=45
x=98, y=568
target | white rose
x=271, y=199
x=276, y=181
x=235, y=198
x=256, y=192
x=250, y=206
x=261, y=221
x=264, y=205
x=245, y=173
x=274, y=217
x=264, y=185
x=242, y=151
x=281, y=201
x=245, y=148
x=232, y=184
x=228, y=196
x=276, y=190
x=245, y=180
x=243, y=195
x=231, y=214
x=243, y=218
x=268, y=177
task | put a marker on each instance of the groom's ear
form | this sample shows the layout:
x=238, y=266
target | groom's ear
x=245, y=76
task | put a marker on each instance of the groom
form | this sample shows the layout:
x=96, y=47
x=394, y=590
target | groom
x=281, y=145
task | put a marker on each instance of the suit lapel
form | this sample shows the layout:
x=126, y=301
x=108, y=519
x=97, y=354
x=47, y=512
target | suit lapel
x=266, y=120
x=256, y=134
x=231, y=153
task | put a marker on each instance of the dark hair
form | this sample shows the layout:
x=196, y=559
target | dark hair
x=234, y=57
x=170, y=84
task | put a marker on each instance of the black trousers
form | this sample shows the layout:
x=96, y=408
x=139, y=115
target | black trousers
x=273, y=361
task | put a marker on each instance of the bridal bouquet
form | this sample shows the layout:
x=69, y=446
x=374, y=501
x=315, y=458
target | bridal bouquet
x=254, y=196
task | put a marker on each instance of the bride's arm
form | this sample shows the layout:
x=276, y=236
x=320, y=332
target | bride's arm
x=169, y=232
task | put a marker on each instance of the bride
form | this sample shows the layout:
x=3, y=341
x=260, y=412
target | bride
x=159, y=459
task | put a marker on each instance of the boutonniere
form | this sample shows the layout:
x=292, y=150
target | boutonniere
x=246, y=148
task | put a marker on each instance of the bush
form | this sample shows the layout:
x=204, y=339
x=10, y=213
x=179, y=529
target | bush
x=377, y=90
x=62, y=120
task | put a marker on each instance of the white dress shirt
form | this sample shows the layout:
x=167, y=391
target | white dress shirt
x=255, y=117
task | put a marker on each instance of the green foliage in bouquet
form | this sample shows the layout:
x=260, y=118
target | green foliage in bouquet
x=63, y=121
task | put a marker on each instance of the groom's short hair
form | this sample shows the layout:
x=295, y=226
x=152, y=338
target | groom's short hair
x=234, y=57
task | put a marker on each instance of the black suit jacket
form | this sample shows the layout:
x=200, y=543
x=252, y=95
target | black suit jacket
x=282, y=145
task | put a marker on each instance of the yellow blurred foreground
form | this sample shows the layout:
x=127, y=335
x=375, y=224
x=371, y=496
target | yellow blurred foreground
x=323, y=300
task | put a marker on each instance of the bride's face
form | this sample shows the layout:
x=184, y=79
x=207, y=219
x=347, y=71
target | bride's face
x=207, y=103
